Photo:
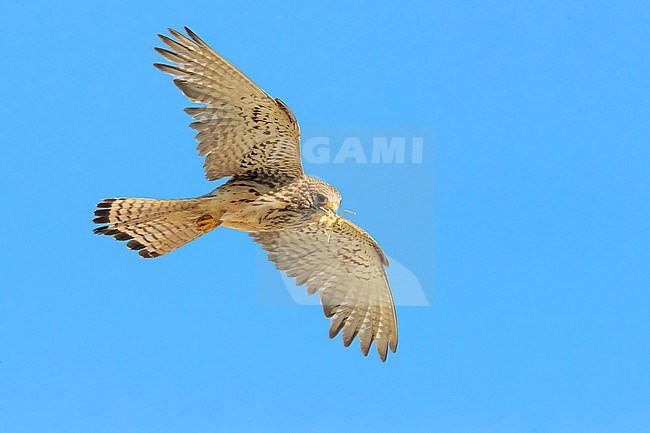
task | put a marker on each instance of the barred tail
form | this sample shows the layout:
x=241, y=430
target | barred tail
x=154, y=227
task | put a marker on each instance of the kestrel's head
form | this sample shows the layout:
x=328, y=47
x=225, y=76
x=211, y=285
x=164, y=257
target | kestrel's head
x=323, y=195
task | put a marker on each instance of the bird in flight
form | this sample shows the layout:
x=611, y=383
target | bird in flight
x=254, y=139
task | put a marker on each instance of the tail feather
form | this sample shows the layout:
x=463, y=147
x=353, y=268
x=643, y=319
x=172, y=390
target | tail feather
x=154, y=227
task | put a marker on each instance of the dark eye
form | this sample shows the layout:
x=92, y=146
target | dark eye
x=320, y=198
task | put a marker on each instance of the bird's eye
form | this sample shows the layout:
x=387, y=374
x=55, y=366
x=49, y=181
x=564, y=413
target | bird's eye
x=320, y=198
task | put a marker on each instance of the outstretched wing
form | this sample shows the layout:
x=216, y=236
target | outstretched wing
x=345, y=266
x=240, y=128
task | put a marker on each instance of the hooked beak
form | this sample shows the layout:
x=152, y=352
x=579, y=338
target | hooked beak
x=332, y=206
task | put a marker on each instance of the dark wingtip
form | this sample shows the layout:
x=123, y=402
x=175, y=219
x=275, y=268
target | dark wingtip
x=148, y=254
x=106, y=203
x=100, y=230
x=102, y=215
x=178, y=35
x=106, y=230
x=134, y=245
x=194, y=36
x=168, y=69
x=121, y=236
x=167, y=40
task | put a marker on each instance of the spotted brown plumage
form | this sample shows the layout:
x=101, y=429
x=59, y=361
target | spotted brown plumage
x=241, y=128
x=345, y=266
x=254, y=139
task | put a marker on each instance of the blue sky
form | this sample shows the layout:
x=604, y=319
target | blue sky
x=526, y=223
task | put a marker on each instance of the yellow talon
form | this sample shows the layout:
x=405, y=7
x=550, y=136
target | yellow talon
x=339, y=217
x=332, y=219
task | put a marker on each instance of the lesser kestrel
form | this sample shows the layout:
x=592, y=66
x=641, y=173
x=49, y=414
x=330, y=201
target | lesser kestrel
x=254, y=139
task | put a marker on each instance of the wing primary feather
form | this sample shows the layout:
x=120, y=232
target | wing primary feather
x=170, y=55
x=246, y=117
x=171, y=70
x=188, y=43
x=337, y=324
x=351, y=329
x=176, y=46
x=196, y=38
